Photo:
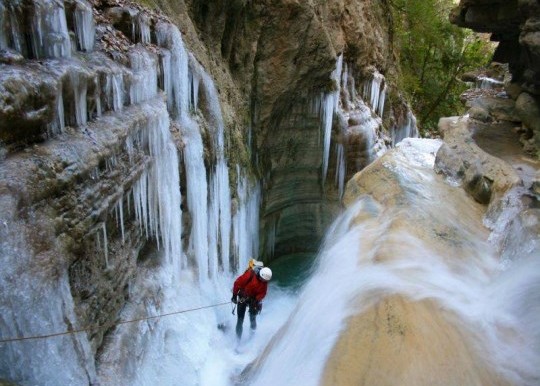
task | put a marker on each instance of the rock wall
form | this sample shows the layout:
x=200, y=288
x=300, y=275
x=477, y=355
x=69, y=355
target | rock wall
x=98, y=100
x=286, y=59
x=514, y=25
x=492, y=151
x=135, y=136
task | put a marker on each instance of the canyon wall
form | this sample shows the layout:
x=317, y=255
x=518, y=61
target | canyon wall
x=292, y=62
x=135, y=142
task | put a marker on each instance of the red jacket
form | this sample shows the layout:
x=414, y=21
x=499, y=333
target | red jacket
x=251, y=285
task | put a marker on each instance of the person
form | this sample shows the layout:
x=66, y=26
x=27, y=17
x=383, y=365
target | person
x=249, y=289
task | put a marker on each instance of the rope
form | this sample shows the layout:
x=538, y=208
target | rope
x=104, y=326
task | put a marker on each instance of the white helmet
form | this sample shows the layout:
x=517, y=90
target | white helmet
x=265, y=274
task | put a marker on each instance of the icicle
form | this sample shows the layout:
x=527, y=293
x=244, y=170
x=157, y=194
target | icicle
x=340, y=169
x=194, y=91
x=375, y=92
x=197, y=196
x=220, y=194
x=121, y=210
x=10, y=31
x=50, y=36
x=409, y=129
x=97, y=96
x=141, y=29
x=245, y=221
x=145, y=76
x=327, y=115
x=78, y=84
x=330, y=104
x=156, y=193
x=165, y=74
x=58, y=126
x=105, y=246
x=380, y=106
x=84, y=26
x=169, y=37
x=118, y=95
x=213, y=225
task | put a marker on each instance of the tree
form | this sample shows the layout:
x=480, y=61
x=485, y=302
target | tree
x=432, y=53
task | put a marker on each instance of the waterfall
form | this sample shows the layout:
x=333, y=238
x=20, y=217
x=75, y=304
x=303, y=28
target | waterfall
x=383, y=248
x=484, y=82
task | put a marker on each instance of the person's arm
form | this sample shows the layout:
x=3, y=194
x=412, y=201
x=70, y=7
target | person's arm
x=240, y=282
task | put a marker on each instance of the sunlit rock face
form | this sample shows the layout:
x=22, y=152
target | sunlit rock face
x=396, y=337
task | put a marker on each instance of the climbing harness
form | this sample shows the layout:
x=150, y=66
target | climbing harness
x=105, y=326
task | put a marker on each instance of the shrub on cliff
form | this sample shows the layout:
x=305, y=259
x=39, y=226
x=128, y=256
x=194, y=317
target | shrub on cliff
x=432, y=53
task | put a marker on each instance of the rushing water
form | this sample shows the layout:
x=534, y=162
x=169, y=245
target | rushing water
x=377, y=250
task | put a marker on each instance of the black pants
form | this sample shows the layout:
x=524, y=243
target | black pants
x=242, y=305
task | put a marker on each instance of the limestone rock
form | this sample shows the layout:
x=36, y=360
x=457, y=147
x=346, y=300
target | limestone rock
x=411, y=340
x=479, y=113
x=485, y=177
x=528, y=109
x=486, y=107
x=27, y=104
x=395, y=337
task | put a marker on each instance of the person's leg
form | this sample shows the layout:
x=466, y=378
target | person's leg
x=241, y=313
x=253, y=316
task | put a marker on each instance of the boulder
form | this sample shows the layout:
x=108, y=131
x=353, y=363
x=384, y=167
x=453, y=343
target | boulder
x=483, y=176
x=528, y=109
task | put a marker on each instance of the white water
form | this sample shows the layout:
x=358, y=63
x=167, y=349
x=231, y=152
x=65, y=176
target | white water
x=485, y=82
x=365, y=261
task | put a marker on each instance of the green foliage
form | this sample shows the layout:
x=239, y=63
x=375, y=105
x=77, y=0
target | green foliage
x=432, y=53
